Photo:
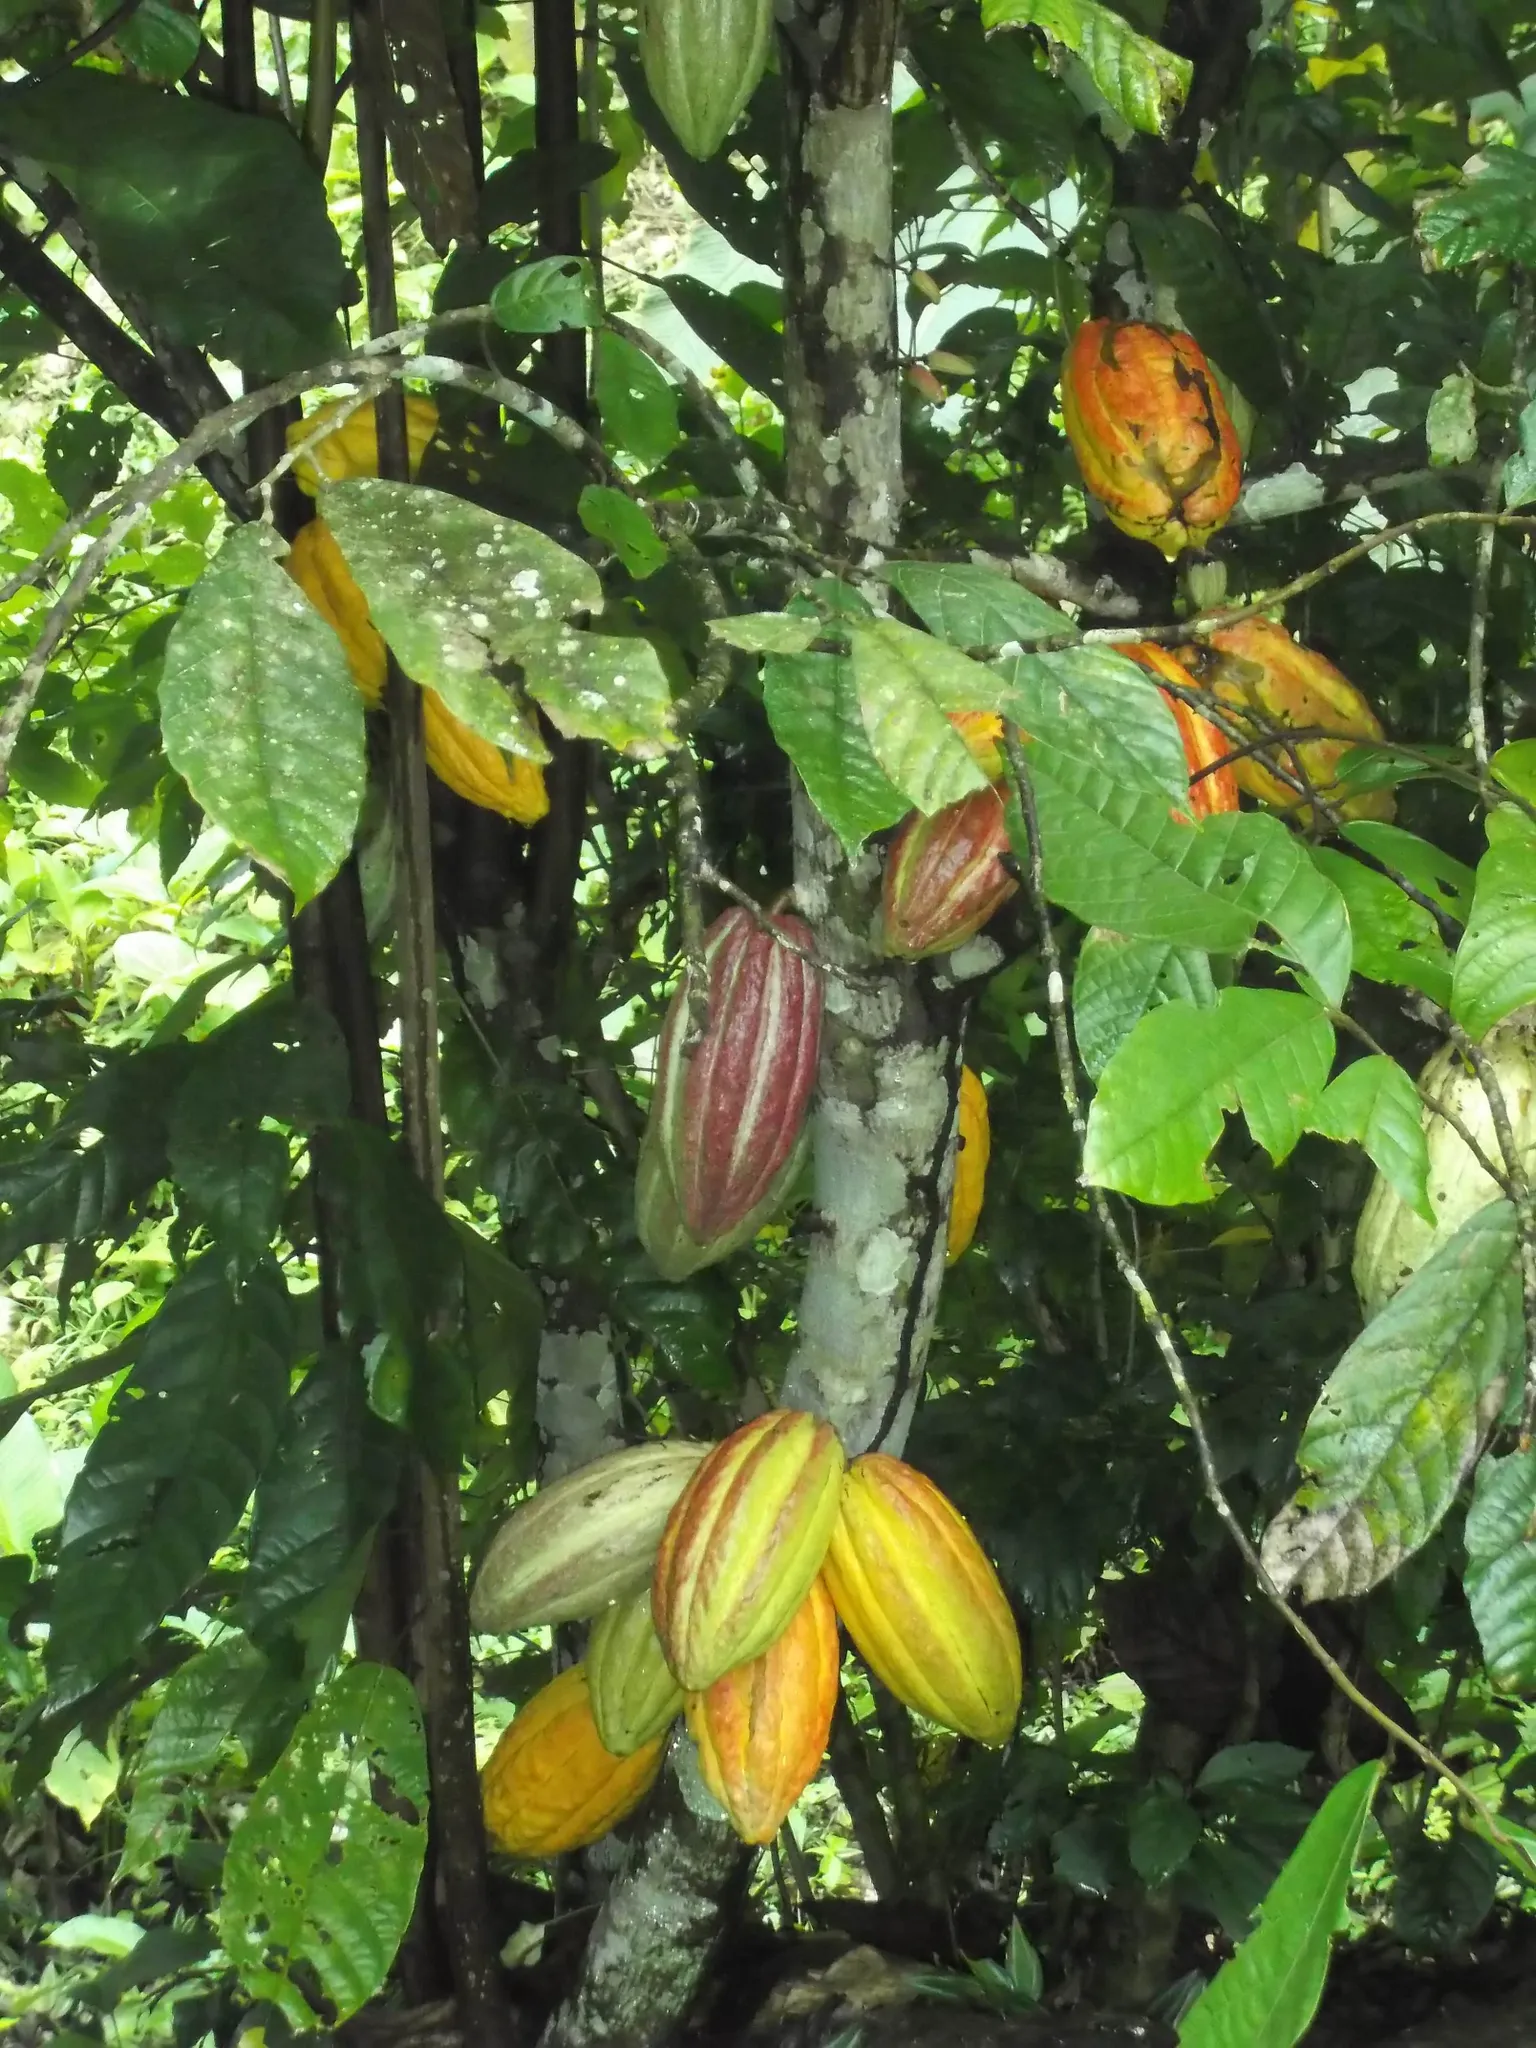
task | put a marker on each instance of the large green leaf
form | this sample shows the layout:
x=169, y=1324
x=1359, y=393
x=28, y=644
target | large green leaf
x=907, y=683
x=1395, y=939
x=1495, y=968
x=600, y=686
x=636, y=404
x=321, y=1874
x=1492, y=215
x=1374, y=1104
x=1403, y=1415
x=167, y=1476
x=1117, y=980
x=813, y=708
x=1501, y=1567
x=1161, y=1100
x=198, y=1710
x=261, y=717
x=217, y=221
x=972, y=606
x=1267, y=1994
x=1143, y=82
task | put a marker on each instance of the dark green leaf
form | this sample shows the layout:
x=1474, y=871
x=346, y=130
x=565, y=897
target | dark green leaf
x=636, y=404
x=1489, y=217
x=623, y=523
x=1501, y=1567
x=1187, y=256
x=1495, y=970
x=82, y=455
x=159, y=40
x=1143, y=82
x=195, y=1718
x=1442, y=1891
x=752, y=348
x=544, y=296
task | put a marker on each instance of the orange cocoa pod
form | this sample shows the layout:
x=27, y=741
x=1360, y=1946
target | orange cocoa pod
x=478, y=770
x=1259, y=669
x=1203, y=742
x=1151, y=432
x=743, y=1544
x=920, y=1598
x=317, y=565
x=973, y=1150
x=550, y=1785
x=944, y=877
x=762, y=1729
x=352, y=446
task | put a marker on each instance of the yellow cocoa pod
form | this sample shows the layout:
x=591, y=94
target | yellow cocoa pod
x=316, y=564
x=762, y=1729
x=352, y=447
x=919, y=1597
x=974, y=1149
x=550, y=1785
x=634, y=1696
x=744, y=1543
x=480, y=772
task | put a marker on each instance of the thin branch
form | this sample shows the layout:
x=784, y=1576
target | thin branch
x=1342, y=1021
x=85, y=1372
x=1157, y=1324
x=975, y=160
x=119, y=18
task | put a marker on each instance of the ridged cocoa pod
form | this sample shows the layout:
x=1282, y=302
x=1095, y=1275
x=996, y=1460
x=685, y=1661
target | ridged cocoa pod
x=702, y=61
x=1391, y=1240
x=973, y=1150
x=743, y=1544
x=635, y=1698
x=317, y=565
x=1151, y=431
x=944, y=877
x=919, y=1597
x=762, y=1729
x=589, y=1538
x=722, y=1144
x=1256, y=667
x=477, y=769
x=1203, y=742
x=352, y=448
x=550, y=1785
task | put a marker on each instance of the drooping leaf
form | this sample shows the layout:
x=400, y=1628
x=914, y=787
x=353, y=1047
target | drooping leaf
x=725, y=323
x=1373, y=1103
x=1402, y=1417
x=1267, y=1994
x=196, y=1716
x=321, y=1874
x=972, y=606
x=636, y=404
x=261, y=717
x=166, y=1478
x=1396, y=940
x=1117, y=981
x=813, y=708
x=1501, y=1567
x=600, y=686
x=1495, y=969
x=611, y=515
x=1161, y=1100
x=1143, y=82
x=217, y=221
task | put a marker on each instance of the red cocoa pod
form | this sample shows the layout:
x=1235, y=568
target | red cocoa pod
x=1204, y=743
x=743, y=1544
x=1151, y=432
x=762, y=1729
x=944, y=877
x=723, y=1141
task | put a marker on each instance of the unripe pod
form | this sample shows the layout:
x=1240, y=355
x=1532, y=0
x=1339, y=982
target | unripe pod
x=550, y=1785
x=352, y=448
x=723, y=1140
x=702, y=61
x=634, y=1696
x=1151, y=431
x=1203, y=742
x=1257, y=668
x=477, y=769
x=589, y=1538
x=1392, y=1241
x=317, y=565
x=920, y=1599
x=973, y=1150
x=744, y=1543
x=944, y=877
x=762, y=1729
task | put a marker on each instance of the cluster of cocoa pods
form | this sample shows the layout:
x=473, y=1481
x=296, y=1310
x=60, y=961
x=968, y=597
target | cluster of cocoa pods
x=715, y=1579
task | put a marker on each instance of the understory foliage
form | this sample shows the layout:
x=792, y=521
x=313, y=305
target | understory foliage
x=331, y=985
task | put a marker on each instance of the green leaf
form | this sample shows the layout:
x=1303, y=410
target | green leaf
x=166, y=1479
x=1451, y=423
x=1267, y=1994
x=1402, y=1417
x=321, y=1875
x=1520, y=469
x=1495, y=970
x=1490, y=218
x=1515, y=767
x=1117, y=980
x=159, y=40
x=1143, y=82
x=1442, y=879
x=261, y=717
x=1500, y=1576
x=1373, y=1103
x=600, y=686
x=98, y=1934
x=906, y=682
x=813, y=708
x=31, y=1498
x=613, y=517
x=544, y=296
x=1442, y=1888
x=768, y=632
x=1097, y=706
x=1159, y=1109
x=972, y=606
x=83, y=455
x=1164, y=1828
x=635, y=403
x=198, y=1710
x=751, y=346
x=455, y=589
x=216, y=221
x=1396, y=941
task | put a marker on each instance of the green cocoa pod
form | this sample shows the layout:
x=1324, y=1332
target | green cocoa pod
x=634, y=1695
x=702, y=61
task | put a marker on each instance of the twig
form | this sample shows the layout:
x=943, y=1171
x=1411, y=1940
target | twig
x=83, y=1373
x=1163, y=1337
x=102, y=33
x=976, y=162
x=1342, y=1021
x=712, y=878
